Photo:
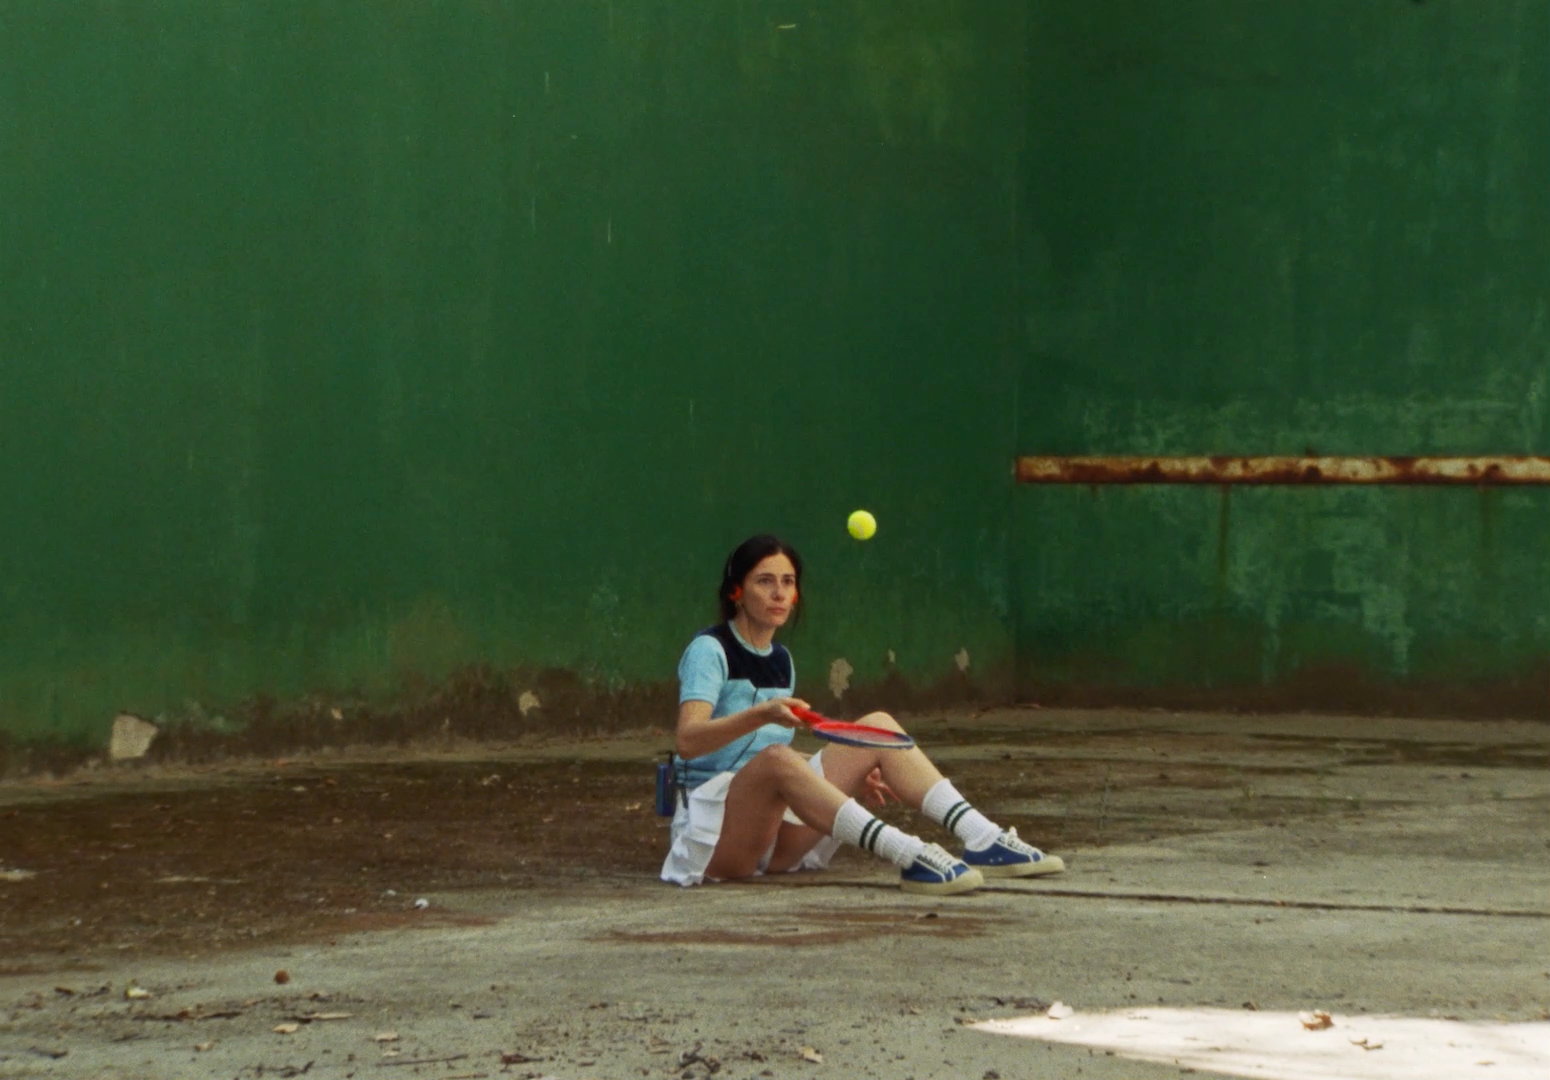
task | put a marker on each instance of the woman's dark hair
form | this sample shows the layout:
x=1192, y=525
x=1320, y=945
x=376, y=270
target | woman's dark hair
x=747, y=555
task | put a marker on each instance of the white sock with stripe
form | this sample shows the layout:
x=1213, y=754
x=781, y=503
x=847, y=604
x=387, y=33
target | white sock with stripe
x=858, y=827
x=945, y=806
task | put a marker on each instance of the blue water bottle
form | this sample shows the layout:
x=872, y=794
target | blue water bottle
x=667, y=787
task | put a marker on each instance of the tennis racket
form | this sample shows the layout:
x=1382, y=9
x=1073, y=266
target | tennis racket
x=840, y=731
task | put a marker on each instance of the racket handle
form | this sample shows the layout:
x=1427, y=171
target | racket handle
x=807, y=716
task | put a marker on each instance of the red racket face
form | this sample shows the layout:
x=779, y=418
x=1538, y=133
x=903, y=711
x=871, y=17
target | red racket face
x=839, y=731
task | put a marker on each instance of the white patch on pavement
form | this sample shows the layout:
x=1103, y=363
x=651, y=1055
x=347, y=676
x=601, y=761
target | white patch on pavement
x=1276, y=1046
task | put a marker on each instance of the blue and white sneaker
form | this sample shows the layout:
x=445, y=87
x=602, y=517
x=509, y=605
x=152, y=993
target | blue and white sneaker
x=1011, y=857
x=936, y=873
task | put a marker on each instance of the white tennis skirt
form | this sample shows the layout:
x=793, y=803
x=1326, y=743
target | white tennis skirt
x=697, y=827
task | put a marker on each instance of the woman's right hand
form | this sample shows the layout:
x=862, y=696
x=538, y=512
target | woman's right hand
x=778, y=711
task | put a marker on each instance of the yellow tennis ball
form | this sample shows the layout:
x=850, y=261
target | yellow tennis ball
x=862, y=525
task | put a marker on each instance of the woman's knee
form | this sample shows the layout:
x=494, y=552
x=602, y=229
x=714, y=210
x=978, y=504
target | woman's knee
x=881, y=720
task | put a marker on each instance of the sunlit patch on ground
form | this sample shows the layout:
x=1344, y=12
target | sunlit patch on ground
x=1280, y=1046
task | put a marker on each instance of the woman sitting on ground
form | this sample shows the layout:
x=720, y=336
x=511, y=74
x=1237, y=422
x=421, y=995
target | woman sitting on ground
x=754, y=805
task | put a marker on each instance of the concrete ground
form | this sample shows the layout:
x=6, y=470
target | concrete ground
x=1367, y=867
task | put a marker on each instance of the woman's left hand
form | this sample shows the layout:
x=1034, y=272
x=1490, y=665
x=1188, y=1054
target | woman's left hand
x=877, y=790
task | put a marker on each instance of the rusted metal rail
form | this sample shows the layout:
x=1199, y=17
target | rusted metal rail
x=1461, y=471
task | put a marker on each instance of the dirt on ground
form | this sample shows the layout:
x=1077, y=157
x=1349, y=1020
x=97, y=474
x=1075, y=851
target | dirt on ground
x=187, y=860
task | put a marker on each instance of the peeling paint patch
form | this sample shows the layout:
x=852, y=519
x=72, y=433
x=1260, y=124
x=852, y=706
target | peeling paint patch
x=131, y=737
x=961, y=658
x=840, y=672
x=527, y=702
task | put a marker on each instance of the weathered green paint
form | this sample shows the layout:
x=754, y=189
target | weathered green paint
x=343, y=342
x=1290, y=228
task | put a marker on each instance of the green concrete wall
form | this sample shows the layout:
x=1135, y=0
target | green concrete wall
x=1275, y=229
x=347, y=341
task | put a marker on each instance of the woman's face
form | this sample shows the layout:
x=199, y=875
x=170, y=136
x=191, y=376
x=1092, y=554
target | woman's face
x=770, y=592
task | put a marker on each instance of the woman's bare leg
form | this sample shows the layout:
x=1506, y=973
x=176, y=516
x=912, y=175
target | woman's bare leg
x=912, y=776
x=908, y=772
x=777, y=777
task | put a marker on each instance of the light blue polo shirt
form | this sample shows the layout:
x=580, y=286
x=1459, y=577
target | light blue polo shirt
x=721, y=668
